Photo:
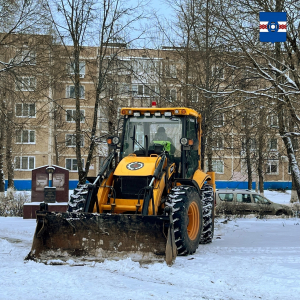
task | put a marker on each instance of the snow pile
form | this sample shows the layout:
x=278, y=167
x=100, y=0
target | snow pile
x=5, y=246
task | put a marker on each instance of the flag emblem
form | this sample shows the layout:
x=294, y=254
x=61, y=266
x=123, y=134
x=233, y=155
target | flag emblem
x=272, y=27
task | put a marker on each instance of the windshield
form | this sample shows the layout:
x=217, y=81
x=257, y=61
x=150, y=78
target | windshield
x=158, y=129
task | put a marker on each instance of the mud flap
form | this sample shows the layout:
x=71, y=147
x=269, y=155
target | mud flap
x=100, y=236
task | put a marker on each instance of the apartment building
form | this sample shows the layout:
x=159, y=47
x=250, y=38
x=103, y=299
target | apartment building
x=44, y=111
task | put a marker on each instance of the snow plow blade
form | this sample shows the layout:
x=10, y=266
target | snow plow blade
x=100, y=236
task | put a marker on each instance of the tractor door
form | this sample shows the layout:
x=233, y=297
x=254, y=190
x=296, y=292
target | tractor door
x=192, y=155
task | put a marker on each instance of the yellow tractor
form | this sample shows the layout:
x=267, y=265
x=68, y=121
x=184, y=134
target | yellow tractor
x=150, y=199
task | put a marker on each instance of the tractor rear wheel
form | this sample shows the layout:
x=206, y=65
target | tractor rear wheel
x=207, y=198
x=186, y=208
x=78, y=198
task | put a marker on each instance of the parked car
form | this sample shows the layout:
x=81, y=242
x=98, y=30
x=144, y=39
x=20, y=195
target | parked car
x=237, y=201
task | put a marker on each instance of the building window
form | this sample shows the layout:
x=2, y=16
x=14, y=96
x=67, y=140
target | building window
x=71, y=68
x=171, y=95
x=25, y=110
x=273, y=120
x=247, y=120
x=25, y=136
x=141, y=90
x=252, y=144
x=170, y=70
x=25, y=84
x=71, y=164
x=71, y=91
x=71, y=140
x=218, y=143
x=272, y=167
x=273, y=144
x=295, y=144
x=217, y=72
x=139, y=66
x=27, y=57
x=148, y=66
x=194, y=96
x=24, y=162
x=244, y=167
x=218, y=120
x=217, y=166
x=124, y=89
x=71, y=115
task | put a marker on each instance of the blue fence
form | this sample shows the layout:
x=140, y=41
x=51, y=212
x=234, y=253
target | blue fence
x=272, y=185
x=25, y=185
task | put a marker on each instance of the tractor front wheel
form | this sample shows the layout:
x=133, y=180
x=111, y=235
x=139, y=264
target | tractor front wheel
x=187, y=217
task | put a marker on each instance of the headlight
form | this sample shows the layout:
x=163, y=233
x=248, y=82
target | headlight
x=115, y=140
x=183, y=141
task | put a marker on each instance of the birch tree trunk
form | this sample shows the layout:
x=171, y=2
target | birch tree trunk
x=2, y=122
x=9, y=145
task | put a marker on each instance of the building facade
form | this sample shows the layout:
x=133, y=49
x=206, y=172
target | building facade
x=43, y=107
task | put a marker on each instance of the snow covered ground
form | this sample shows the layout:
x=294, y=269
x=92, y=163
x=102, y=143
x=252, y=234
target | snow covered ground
x=249, y=259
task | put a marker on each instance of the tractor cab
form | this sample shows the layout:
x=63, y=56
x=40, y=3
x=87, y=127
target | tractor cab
x=152, y=131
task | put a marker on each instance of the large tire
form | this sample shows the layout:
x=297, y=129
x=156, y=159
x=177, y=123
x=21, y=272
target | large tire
x=78, y=198
x=207, y=198
x=186, y=208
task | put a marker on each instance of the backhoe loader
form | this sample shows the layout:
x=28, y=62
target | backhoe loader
x=150, y=199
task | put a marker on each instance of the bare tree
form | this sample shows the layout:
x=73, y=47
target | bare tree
x=109, y=18
x=195, y=37
x=19, y=20
x=271, y=64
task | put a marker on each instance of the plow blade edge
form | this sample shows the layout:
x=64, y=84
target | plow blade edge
x=99, y=236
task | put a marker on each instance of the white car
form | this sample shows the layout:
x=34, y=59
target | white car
x=237, y=201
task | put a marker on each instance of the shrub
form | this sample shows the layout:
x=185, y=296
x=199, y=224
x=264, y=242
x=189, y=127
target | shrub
x=11, y=203
x=296, y=209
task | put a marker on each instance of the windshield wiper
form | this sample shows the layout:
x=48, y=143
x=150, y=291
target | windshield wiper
x=135, y=141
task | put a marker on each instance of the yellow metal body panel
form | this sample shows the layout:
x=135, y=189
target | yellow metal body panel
x=212, y=182
x=150, y=163
x=103, y=192
x=157, y=193
x=123, y=205
x=181, y=110
x=200, y=177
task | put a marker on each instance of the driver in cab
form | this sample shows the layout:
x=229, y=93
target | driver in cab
x=162, y=139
